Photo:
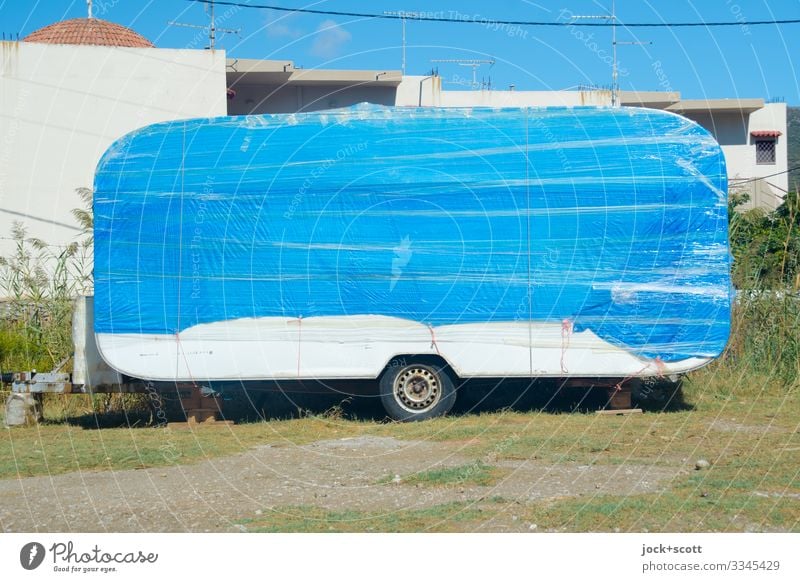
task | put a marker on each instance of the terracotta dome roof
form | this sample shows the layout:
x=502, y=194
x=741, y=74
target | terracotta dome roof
x=88, y=31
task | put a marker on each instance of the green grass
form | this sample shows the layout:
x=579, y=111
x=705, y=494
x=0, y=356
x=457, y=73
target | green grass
x=450, y=517
x=752, y=485
x=55, y=447
x=768, y=415
x=741, y=414
x=750, y=437
x=475, y=473
x=674, y=511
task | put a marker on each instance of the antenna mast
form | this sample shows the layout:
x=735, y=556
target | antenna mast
x=212, y=28
x=614, y=64
x=403, y=14
x=474, y=63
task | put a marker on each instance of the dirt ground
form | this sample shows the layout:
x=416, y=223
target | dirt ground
x=363, y=474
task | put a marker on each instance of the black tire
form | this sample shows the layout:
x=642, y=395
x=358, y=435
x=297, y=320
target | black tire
x=416, y=389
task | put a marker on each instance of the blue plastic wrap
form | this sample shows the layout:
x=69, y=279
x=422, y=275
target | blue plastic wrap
x=612, y=221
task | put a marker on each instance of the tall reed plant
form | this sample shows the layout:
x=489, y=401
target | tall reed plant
x=38, y=282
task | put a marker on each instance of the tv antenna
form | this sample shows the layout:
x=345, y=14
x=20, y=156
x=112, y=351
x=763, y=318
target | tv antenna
x=614, y=63
x=211, y=28
x=474, y=63
x=403, y=15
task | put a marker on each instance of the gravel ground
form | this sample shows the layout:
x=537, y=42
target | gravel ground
x=345, y=474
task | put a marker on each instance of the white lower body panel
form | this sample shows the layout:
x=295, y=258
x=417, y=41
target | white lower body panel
x=360, y=346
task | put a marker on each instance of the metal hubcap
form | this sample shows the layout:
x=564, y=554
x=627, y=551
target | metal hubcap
x=417, y=389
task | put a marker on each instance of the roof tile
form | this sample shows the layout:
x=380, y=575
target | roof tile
x=91, y=31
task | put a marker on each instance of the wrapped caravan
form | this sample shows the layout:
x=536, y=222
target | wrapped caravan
x=414, y=246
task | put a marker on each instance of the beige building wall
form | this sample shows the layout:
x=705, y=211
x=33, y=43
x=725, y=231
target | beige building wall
x=257, y=98
x=427, y=91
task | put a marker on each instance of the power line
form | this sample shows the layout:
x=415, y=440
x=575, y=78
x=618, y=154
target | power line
x=498, y=21
x=767, y=176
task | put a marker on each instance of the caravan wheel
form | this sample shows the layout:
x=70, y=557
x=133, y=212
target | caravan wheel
x=416, y=390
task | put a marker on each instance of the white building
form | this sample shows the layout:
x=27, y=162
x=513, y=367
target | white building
x=70, y=89
x=753, y=136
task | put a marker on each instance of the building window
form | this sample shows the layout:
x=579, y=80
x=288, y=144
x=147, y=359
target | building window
x=765, y=151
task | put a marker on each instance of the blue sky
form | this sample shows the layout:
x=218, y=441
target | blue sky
x=738, y=61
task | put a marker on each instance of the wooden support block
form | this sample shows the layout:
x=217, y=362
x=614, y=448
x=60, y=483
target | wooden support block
x=619, y=412
x=200, y=410
x=193, y=425
x=619, y=401
x=619, y=398
x=201, y=415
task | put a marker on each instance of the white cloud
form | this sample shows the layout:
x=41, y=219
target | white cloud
x=329, y=40
x=283, y=31
x=281, y=27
